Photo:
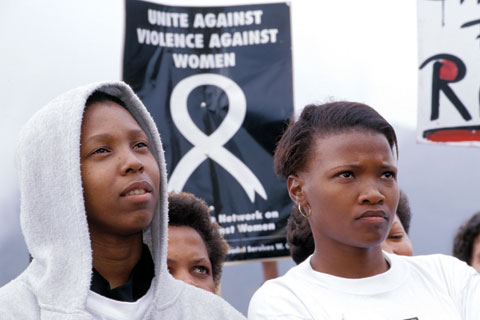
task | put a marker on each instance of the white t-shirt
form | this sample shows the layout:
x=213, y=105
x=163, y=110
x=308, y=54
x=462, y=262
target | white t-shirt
x=433, y=287
x=103, y=308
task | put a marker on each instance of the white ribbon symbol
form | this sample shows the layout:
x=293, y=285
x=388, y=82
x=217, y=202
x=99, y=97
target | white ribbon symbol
x=211, y=146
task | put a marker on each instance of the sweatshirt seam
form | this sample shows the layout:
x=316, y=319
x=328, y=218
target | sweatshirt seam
x=171, y=302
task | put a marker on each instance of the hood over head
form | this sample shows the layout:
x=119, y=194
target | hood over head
x=53, y=216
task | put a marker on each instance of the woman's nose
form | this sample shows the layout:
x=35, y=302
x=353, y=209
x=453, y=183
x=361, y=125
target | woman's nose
x=132, y=164
x=371, y=194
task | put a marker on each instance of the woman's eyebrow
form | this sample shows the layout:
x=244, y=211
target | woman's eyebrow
x=137, y=132
x=101, y=136
x=199, y=260
x=106, y=136
x=347, y=166
x=390, y=167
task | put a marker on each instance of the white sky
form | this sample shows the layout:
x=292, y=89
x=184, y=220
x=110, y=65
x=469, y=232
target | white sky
x=364, y=51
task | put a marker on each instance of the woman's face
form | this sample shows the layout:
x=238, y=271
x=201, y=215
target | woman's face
x=120, y=176
x=350, y=183
x=188, y=259
x=397, y=240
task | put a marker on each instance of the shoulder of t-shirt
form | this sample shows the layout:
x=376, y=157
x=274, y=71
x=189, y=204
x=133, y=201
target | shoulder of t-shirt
x=275, y=300
x=439, y=267
x=436, y=261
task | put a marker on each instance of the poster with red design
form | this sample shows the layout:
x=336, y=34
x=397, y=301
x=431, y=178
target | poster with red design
x=449, y=72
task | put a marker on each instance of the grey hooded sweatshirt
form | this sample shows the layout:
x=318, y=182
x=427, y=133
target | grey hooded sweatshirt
x=53, y=219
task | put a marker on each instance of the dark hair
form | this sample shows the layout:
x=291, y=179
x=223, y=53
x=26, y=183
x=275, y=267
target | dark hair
x=465, y=238
x=293, y=149
x=403, y=211
x=184, y=209
x=100, y=96
x=300, y=238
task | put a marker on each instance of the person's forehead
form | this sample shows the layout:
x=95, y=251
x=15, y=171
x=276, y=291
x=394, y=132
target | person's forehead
x=101, y=116
x=350, y=143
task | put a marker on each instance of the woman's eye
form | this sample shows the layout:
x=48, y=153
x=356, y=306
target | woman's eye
x=141, y=145
x=389, y=175
x=202, y=270
x=346, y=174
x=100, y=150
x=396, y=236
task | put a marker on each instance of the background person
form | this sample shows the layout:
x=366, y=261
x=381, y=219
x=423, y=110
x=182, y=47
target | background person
x=338, y=160
x=92, y=176
x=397, y=240
x=196, y=249
x=466, y=245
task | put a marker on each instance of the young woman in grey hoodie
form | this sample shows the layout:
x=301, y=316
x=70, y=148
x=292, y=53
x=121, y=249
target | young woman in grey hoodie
x=94, y=216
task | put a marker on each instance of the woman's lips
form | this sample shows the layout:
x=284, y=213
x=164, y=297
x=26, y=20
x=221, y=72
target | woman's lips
x=137, y=188
x=374, y=216
x=136, y=192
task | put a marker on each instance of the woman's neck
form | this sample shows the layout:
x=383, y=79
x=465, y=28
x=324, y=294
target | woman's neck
x=115, y=257
x=349, y=262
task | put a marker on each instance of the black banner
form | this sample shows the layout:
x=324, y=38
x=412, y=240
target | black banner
x=218, y=82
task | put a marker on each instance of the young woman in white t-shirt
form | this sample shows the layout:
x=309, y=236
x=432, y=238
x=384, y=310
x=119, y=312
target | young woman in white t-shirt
x=339, y=163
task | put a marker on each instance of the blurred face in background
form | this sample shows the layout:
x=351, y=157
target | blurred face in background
x=188, y=259
x=397, y=240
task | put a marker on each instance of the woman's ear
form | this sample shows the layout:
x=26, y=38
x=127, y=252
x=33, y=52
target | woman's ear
x=295, y=189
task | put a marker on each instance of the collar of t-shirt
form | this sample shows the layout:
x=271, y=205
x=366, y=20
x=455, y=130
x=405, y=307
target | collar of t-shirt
x=137, y=285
